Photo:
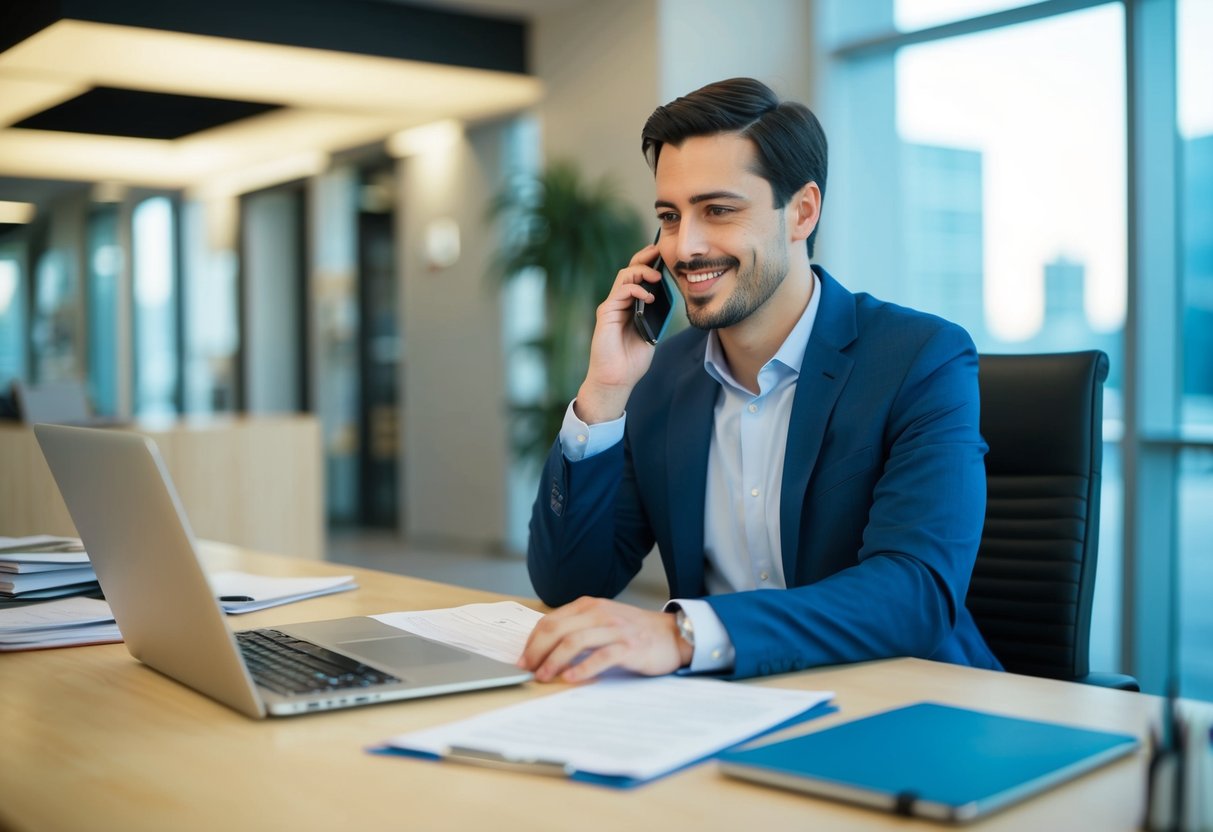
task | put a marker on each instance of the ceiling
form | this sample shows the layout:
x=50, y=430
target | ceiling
x=196, y=103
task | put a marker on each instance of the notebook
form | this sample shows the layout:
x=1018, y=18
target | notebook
x=931, y=760
x=130, y=519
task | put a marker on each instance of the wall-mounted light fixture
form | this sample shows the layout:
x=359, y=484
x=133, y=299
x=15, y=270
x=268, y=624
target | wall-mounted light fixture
x=441, y=243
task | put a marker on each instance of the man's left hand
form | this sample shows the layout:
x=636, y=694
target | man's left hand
x=581, y=640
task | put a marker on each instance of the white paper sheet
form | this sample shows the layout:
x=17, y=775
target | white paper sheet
x=498, y=630
x=266, y=591
x=631, y=728
x=69, y=612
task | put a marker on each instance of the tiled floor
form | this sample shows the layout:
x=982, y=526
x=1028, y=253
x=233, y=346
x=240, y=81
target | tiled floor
x=479, y=570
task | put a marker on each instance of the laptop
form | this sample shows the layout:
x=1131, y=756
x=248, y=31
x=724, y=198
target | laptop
x=127, y=512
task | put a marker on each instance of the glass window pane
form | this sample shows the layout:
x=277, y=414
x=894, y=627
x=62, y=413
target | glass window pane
x=212, y=307
x=104, y=262
x=156, y=353
x=1194, y=24
x=846, y=21
x=12, y=316
x=1009, y=222
x=55, y=325
x=911, y=15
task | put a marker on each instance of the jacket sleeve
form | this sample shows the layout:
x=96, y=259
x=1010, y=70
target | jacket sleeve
x=906, y=590
x=588, y=533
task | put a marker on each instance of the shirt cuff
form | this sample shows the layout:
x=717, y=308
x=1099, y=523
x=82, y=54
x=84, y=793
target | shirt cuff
x=713, y=650
x=580, y=441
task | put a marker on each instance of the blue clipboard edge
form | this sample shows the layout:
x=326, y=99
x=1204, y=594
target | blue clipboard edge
x=616, y=781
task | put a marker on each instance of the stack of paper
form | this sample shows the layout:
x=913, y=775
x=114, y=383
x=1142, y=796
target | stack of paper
x=61, y=623
x=42, y=566
x=67, y=622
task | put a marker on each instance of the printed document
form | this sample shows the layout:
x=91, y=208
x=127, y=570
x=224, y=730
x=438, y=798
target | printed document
x=635, y=729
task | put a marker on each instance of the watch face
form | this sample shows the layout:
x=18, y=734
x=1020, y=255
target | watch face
x=684, y=627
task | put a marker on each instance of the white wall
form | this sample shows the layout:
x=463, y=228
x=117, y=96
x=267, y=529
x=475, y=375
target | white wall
x=599, y=65
x=709, y=40
x=455, y=446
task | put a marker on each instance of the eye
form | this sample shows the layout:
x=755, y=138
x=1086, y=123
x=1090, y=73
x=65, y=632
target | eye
x=719, y=210
x=667, y=217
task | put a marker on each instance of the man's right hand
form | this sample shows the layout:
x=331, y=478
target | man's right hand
x=619, y=357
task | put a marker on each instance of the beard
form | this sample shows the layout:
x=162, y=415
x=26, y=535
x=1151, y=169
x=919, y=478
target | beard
x=754, y=287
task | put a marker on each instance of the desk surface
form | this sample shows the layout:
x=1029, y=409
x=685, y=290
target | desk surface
x=91, y=739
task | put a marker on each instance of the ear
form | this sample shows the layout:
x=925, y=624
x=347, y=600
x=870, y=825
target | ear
x=804, y=209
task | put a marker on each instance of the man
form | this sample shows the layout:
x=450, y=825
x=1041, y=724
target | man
x=807, y=460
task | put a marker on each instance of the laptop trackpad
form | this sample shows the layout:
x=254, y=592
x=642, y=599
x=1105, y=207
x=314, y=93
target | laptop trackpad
x=401, y=651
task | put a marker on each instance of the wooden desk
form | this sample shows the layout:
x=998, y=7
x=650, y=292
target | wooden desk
x=90, y=739
x=253, y=481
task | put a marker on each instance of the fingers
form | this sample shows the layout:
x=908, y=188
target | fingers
x=591, y=635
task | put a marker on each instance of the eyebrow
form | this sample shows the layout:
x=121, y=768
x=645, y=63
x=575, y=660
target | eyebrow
x=698, y=198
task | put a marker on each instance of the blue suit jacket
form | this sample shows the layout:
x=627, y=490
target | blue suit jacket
x=881, y=510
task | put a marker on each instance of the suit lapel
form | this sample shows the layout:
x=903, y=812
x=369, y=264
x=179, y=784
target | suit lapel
x=823, y=374
x=688, y=439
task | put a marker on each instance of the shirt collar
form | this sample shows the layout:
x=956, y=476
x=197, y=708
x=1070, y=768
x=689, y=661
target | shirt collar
x=790, y=353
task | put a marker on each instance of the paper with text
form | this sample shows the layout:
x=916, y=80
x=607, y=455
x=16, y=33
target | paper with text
x=633, y=728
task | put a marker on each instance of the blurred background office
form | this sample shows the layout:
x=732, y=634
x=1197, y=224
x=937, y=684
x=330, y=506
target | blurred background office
x=217, y=209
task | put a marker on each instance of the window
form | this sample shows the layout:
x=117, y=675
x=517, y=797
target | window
x=1194, y=77
x=983, y=146
x=156, y=321
x=104, y=264
x=212, y=307
x=1005, y=218
x=12, y=316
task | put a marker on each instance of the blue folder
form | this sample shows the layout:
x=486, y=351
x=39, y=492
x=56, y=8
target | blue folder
x=930, y=760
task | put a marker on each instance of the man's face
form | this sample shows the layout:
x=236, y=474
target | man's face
x=726, y=247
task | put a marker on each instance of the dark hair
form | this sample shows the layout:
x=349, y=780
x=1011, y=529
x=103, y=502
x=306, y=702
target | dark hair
x=790, y=144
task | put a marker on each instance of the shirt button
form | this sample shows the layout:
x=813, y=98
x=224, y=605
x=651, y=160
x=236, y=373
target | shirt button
x=716, y=654
x=753, y=408
x=764, y=576
x=581, y=437
x=753, y=492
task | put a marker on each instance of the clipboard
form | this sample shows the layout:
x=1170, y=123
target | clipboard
x=702, y=733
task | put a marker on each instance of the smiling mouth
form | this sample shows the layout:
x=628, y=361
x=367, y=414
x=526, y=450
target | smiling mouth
x=700, y=277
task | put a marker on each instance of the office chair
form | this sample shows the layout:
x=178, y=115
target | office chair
x=1034, y=581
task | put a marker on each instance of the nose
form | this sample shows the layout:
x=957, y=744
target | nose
x=692, y=241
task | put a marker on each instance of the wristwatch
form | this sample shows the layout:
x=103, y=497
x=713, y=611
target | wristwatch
x=685, y=628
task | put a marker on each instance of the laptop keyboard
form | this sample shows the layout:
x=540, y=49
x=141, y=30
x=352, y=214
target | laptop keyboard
x=288, y=666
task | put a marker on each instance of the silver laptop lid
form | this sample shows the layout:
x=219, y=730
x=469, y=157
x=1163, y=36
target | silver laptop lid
x=127, y=512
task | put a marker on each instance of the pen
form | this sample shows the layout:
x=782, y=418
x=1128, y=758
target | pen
x=235, y=598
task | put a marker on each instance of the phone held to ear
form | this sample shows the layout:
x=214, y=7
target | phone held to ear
x=651, y=319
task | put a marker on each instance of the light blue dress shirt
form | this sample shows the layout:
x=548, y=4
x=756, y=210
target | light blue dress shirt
x=745, y=477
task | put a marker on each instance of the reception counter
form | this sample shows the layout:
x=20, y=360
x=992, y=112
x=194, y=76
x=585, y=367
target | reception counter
x=253, y=481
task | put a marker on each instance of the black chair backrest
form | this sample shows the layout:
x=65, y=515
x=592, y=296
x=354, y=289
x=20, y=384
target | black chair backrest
x=1034, y=581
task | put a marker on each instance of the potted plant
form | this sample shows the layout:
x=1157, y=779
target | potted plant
x=578, y=233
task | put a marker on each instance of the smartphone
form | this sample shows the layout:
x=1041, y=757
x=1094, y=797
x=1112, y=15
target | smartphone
x=651, y=319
